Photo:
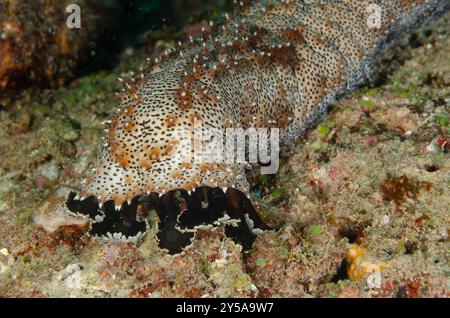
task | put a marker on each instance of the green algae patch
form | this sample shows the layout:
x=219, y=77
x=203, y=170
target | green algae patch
x=263, y=179
x=3, y=206
x=367, y=103
x=277, y=193
x=325, y=129
x=315, y=229
x=443, y=120
x=23, y=217
x=261, y=262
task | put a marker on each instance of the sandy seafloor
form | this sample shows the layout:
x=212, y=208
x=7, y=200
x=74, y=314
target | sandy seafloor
x=360, y=206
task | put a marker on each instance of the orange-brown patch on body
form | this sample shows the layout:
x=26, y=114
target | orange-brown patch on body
x=195, y=118
x=186, y=165
x=148, y=156
x=136, y=101
x=152, y=64
x=241, y=47
x=118, y=199
x=338, y=79
x=222, y=167
x=281, y=90
x=293, y=35
x=188, y=186
x=132, y=89
x=210, y=75
x=287, y=6
x=129, y=125
x=170, y=121
x=200, y=95
x=144, y=161
x=154, y=153
x=244, y=5
x=122, y=158
x=128, y=111
x=184, y=98
x=117, y=149
x=228, y=123
x=408, y=4
x=318, y=40
x=329, y=24
x=214, y=98
x=128, y=179
x=176, y=175
x=284, y=55
x=196, y=73
x=269, y=10
x=222, y=69
x=188, y=79
x=171, y=148
x=258, y=60
x=249, y=88
x=205, y=167
x=283, y=121
x=195, y=180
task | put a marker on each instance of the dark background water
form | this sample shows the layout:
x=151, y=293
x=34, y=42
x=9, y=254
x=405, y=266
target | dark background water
x=136, y=23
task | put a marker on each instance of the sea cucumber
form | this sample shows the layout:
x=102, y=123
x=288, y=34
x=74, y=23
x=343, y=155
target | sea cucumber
x=276, y=64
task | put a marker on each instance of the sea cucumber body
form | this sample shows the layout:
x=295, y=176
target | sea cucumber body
x=276, y=64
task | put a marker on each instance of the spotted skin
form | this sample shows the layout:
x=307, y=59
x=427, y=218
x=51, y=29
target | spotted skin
x=277, y=63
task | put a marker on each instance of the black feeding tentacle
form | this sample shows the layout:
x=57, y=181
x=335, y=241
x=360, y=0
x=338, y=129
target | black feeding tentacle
x=120, y=225
x=169, y=236
x=88, y=207
x=180, y=215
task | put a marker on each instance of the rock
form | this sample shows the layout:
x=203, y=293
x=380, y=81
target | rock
x=8, y=182
x=374, y=280
x=71, y=135
x=399, y=119
x=71, y=275
x=47, y=175
x=6, y=260
x=53, y=213
x=83, y=162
